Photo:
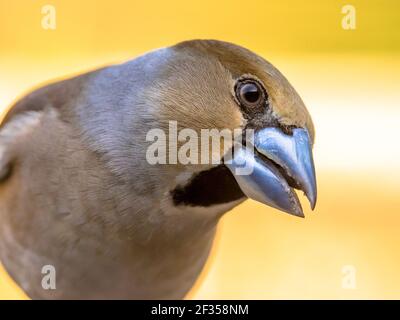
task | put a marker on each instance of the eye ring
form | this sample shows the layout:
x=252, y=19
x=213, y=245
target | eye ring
x=250, y=93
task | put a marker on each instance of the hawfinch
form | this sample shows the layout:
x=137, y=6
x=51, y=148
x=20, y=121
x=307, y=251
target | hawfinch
x=82, y=192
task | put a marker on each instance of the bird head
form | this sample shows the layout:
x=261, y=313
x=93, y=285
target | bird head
x=209, y=84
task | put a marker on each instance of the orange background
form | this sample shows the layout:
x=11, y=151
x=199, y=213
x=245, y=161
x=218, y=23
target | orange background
x=349, y=79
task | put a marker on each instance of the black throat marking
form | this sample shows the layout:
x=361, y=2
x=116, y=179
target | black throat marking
x=214, y=186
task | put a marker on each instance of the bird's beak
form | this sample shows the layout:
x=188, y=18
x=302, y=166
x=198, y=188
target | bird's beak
x=280, y=162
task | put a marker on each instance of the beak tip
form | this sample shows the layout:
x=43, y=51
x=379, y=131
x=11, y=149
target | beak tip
x=298, y=213
x=313, y=204
x=310, y=190
x=296, y=208
x=301, y=215
x=312, y=198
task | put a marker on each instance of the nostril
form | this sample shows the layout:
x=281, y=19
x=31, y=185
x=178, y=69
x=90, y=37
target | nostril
x=287, y=129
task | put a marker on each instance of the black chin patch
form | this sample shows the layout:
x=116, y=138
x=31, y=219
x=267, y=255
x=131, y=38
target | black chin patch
x=210, y=187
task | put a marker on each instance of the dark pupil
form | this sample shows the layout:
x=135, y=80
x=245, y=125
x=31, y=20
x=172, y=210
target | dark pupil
x=250, y=92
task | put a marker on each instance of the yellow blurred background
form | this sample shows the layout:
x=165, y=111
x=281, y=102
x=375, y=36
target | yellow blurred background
x=350, y=81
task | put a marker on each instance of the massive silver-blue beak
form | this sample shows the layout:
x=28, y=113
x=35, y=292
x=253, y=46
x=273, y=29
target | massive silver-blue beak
x=279, y=163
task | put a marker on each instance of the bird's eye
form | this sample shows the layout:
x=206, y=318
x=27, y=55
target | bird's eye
x=250, y=93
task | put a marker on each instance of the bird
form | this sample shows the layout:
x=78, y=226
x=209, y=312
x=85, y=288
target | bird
x=78, y=193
